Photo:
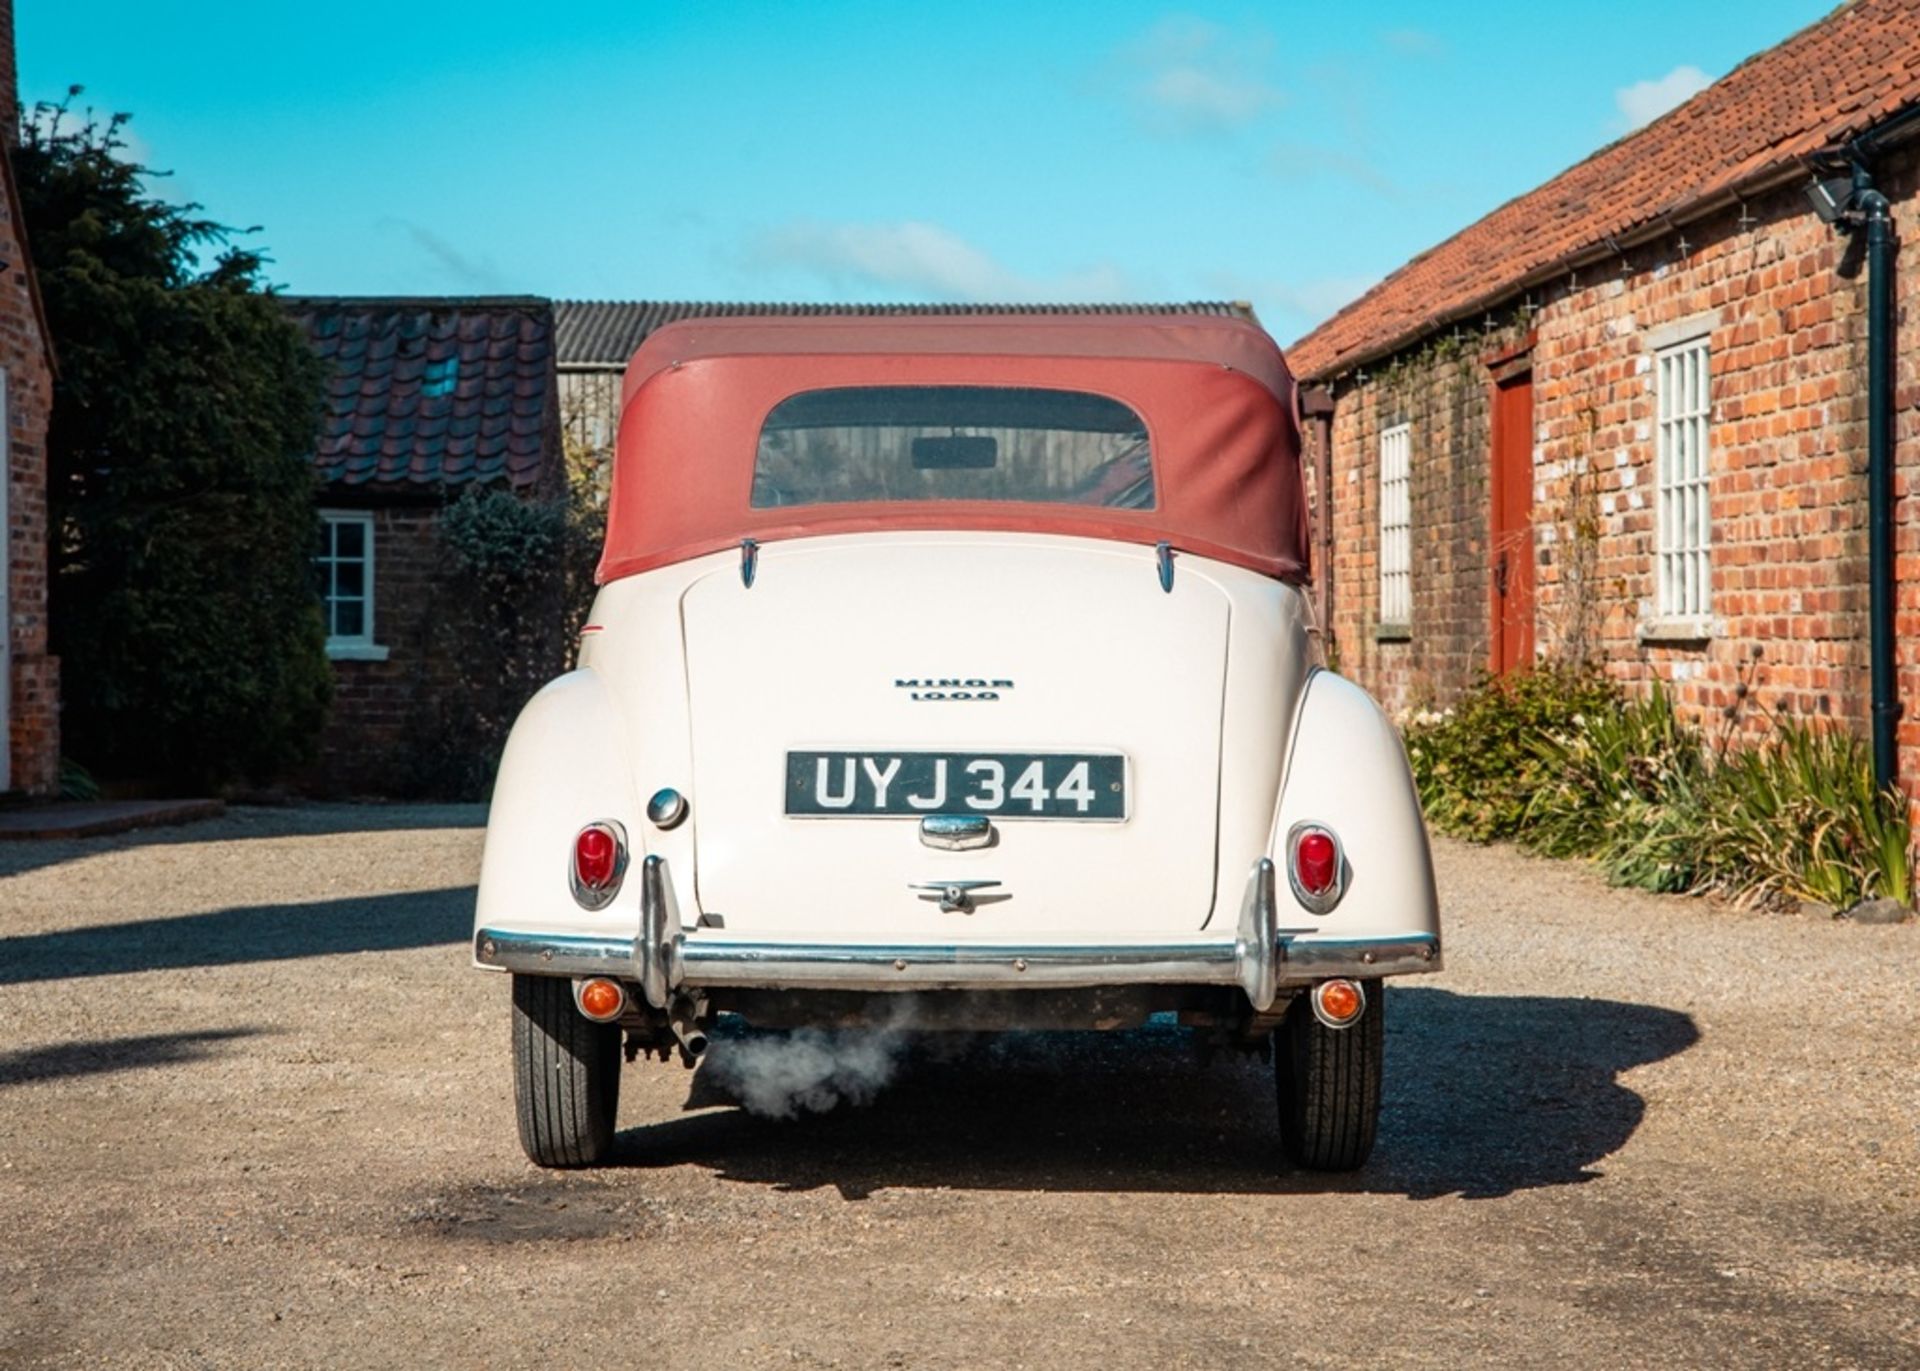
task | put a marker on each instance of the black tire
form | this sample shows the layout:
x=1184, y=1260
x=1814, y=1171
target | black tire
x=566, y=1075
x=1328, y=1083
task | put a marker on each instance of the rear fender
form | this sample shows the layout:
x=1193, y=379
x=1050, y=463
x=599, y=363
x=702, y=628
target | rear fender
x=566, y=766
x=1348, y=771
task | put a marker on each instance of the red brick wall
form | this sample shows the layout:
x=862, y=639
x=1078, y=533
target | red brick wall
x=1786, y=306
x=9, y=73
x=1787, y=456
x=34, y=735
x=1441, y=391
x=379, y=708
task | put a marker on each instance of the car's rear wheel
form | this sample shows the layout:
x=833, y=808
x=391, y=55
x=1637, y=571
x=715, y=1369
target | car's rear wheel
x=1328, y=1082
x=566, y=1075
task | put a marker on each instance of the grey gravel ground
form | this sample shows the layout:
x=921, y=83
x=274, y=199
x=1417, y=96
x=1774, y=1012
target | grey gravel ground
x=255, y=1111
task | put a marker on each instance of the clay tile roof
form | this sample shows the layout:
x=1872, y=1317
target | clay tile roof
x=434, y=392
x=603, y=334
x=1829, y=82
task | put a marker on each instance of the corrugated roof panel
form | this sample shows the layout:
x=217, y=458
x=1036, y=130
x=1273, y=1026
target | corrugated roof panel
x=606, y=333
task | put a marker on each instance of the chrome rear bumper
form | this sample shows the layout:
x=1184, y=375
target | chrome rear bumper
x=1260, y=957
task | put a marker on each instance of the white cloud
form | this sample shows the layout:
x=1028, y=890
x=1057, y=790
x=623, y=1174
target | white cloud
x=915, y=257
x=1193, y=76
x=1645, y=101
x=1306, y=161
x=1414, y=43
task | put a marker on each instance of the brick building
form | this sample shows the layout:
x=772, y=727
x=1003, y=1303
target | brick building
x=29, y=676
x=1626, y=415
x=426, y=398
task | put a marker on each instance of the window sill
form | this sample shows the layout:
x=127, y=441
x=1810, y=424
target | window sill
x=1676, y=632
x=356, y=652
x=1393, y=633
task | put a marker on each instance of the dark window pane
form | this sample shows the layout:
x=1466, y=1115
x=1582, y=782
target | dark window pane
x=349, y=618
x=348, y=578
x=350, y=538
x=867, y=443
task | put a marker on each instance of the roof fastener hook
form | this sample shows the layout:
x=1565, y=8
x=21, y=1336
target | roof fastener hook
x=749, y=561
x=1164, y=553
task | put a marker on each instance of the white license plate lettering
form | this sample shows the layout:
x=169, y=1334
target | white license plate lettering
x=823, y=794
x=1077, y=788
x=936, y=797
x=1004, y=784
x=881, y=777
x=991, y=788
x=1031, y=786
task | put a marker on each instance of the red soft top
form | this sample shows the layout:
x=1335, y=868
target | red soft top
x=1214, y=392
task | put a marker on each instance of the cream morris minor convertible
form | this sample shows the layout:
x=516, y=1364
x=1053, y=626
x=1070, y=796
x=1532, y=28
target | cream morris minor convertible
x=965, y=659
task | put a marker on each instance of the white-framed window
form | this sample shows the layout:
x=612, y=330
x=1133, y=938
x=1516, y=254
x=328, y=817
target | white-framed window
x=1396, y=525
x=1683, y=521
x=344, y=569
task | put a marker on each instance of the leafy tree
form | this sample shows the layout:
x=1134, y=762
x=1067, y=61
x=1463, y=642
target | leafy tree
x=180, y=486
x=518, y=583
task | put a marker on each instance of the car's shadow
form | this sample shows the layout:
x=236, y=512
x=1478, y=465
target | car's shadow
x=99, y=1056
x=393, y=922
x=1485, y=1095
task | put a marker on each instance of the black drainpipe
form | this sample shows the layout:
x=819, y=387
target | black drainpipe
x=1886, y=693
x=1867, y=207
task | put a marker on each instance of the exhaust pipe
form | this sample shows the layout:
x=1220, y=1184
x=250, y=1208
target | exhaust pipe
x=684, y=1021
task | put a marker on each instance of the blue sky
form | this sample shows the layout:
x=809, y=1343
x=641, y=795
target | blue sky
x=1285, y=154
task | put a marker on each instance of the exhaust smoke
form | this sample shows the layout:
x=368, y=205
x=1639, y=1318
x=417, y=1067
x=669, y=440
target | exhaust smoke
x=807, y=1071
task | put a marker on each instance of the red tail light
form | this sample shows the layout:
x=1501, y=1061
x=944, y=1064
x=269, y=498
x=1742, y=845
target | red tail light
x=595, y=852
x=1316, y=867
x=599, y=860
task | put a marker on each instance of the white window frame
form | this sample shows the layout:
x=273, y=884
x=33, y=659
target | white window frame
x=361, y=646
x=1683, y=514
x=1396, y=526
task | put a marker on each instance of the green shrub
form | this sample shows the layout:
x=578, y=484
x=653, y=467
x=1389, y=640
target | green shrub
x=1561, y=762
x=76, y=782
x=1624, y=786
x=1478, y=766
x=517, y=585
x=1654, y=843
x=1798, y=816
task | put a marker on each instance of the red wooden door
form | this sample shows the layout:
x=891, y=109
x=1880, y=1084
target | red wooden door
x=1511, y=544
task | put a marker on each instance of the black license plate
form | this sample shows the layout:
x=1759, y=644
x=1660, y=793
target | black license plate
x=1012, y=785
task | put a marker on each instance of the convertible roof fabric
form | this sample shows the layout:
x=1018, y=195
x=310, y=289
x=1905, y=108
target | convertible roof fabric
x=1216, y=397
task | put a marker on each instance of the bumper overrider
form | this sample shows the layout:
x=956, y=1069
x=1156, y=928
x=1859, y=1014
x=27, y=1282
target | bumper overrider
x=664, y=958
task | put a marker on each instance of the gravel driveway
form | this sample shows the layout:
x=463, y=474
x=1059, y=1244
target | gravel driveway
x=255, y=1111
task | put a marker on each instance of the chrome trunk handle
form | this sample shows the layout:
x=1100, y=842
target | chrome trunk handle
x=956, y=832
x=955, y=897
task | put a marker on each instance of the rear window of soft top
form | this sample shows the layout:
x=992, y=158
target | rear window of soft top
x=862, y=444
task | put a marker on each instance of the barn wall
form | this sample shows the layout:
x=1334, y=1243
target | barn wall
x=1442, y=391
x=34, y=726
x=1783, y=298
